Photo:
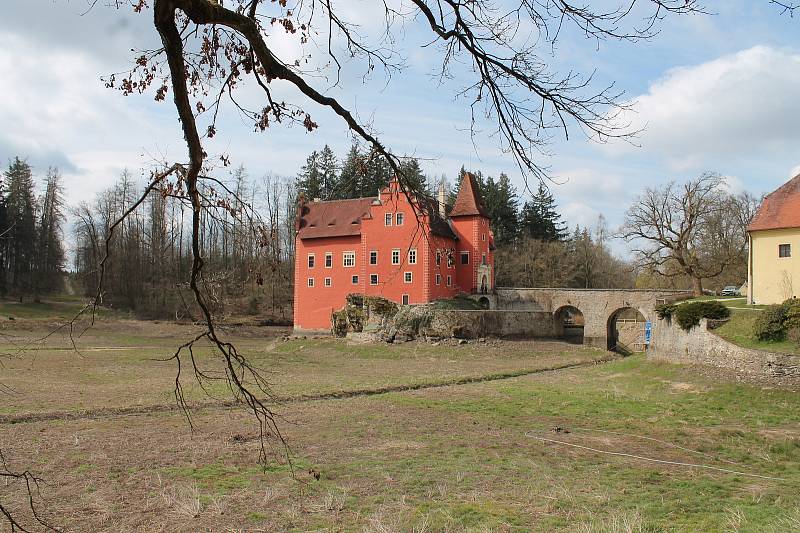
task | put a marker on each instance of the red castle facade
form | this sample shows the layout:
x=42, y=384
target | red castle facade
x=397, y=246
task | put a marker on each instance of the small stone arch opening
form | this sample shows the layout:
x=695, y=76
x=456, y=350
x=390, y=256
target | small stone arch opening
x=569, y=323
x=484, y=302
x=626, y=331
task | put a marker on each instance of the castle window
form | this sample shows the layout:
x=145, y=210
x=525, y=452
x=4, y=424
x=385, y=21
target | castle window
x=349, y=259
x=483, y=259
x=328, y=282
x=310, y=282
x=464, y=258
x=373, y=279
x=373, y=257
x=438, y=279
x=449, y=260
x=438, y=258
x=412, y=256
x=405, y=299
x=328, y=259
x=355, y=280
x=784, y=250
x=407, y=277
x=395, y=257
x=449, y=280
x=483, y=236
x=387, y=220
x=399, y=219
x=310, y=260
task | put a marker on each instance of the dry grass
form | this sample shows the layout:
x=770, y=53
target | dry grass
x=445, y=459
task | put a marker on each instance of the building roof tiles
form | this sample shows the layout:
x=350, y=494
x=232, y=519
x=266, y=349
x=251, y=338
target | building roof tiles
x=780, y=209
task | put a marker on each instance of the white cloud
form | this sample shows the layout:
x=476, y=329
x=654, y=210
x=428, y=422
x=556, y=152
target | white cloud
x=794, y=172
x=744, y=102
x=56, y=111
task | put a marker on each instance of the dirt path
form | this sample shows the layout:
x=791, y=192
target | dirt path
x=336, y=395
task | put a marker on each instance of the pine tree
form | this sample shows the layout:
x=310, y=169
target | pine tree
x=540, y=217
x=309, y=181
x=50, y=249
x=21, y=242
x=415, y=179
x=329, y=173
x=377, y=174
x=351, y=174
x=505, y=218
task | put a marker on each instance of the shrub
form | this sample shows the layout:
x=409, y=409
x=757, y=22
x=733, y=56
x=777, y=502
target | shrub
x=769, y=326
x=792, y=318
x=339, y=323
x=793, y=334
x=665, y=311
x=688, y=315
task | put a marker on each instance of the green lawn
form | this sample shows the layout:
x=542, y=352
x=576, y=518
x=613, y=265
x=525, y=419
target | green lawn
x=739, y=330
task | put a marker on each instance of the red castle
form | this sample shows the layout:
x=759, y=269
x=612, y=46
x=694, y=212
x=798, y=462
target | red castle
x=401, y=247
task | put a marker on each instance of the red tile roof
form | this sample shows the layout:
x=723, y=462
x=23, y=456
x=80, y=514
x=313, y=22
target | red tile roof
x=469, y=200
x=333, y=218
x=780, y=209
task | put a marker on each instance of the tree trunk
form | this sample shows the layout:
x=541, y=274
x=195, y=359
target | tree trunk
x=697, y=286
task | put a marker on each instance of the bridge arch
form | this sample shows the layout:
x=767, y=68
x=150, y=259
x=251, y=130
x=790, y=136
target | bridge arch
x=569, y=323
x=625, y=330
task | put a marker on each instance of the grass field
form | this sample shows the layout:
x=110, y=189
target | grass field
x=505, y=454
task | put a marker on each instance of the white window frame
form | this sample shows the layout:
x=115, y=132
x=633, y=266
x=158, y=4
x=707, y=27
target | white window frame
x=483, y=236
x=412, y=256
x=310, y=283
x=438, y=258
x=449, y=280
x=461, y=257
x=451, y=263
x=311, y=259
x=373, y=253
x=328, y=282
x=408, y=277
x=438, y=279
x=406, y=299
x=396, y=256
x=399, y=218
x=354, y=279
x=387, y=219
x=328, y=255
x=345, y=256
x=483, y=259
x=373, y=279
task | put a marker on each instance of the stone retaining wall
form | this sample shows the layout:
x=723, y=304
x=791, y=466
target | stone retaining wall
x=499, y=323
x=701, y=346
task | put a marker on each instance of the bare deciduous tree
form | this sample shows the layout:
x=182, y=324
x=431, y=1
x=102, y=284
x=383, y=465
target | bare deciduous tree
x=694, y=229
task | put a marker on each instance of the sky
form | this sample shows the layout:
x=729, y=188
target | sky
x=717, y=92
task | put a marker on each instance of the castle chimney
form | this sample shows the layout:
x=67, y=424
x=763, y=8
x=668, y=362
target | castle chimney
x=442, y=199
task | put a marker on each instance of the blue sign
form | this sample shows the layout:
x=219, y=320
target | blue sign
x=648, y=332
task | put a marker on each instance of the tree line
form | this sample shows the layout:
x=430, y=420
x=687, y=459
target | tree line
x=246, y=239
x=32, y=256
x=247, y=235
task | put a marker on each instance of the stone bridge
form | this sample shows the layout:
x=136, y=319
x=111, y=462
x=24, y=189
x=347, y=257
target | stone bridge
x=601, y=314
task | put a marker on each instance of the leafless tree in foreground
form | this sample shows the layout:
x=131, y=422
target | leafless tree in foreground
x=695, y=230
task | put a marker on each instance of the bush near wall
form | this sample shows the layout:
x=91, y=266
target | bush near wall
x=688, y=315
x=776, y=322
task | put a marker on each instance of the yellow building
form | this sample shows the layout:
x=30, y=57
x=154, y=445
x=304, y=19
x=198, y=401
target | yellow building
x=773, y=270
